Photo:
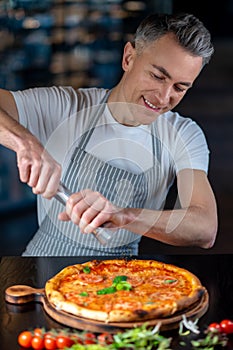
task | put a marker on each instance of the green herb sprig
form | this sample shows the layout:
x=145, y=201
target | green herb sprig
x=210, y=341
x=119, y=283
x=141, y=338
x=87, y=269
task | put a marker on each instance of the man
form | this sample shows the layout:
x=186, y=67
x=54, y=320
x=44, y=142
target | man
x=126, y=148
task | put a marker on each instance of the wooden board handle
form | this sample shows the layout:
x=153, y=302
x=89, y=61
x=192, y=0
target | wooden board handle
x=20, y=294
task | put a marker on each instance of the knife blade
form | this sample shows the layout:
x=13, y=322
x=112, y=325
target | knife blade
x=102, y=234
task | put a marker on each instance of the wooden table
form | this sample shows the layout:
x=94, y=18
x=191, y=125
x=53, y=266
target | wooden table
x=214, y=271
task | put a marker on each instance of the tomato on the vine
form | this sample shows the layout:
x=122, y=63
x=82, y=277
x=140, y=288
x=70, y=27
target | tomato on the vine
x=37, y=342
x=89, y=338
x=105, y=338
x=226, y=326
x=38, y=331
x=214, y=327
x=50, y=342
x=49, y=335
x=63, y=341
x=25, y=339
x=77, y=338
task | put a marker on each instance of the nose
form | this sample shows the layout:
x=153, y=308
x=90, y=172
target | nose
x=164, y=95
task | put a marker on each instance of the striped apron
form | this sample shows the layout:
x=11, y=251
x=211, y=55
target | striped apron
x=121, y=187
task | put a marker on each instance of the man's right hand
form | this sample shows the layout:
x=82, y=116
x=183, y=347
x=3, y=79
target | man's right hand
x=38, y=169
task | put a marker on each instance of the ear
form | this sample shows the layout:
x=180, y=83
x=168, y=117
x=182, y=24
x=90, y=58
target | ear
x=128, y=56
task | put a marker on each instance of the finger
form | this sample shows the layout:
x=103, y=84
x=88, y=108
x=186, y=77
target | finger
x=24, y=173
x=24, y=167
x=109, y=216
x=34, y=174
x=53, y=183
x=99, y=220
x=89, y=216
x=77, y=212
x=91, y=211
x=83, y=206
x=79, y=199
x=48, y=181
x=72, y=201
x=63, y=216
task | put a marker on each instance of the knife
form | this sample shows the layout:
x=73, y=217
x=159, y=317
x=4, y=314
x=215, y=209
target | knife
x=102, y=234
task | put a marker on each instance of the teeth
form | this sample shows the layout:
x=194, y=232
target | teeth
x=150, y=104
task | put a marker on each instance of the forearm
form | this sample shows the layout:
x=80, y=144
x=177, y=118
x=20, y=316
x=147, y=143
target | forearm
x=13, y=135
x=194, y=226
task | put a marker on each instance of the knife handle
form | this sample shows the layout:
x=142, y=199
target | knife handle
x=102, y=234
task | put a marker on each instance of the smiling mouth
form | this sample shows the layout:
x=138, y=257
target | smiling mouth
x=149, y=104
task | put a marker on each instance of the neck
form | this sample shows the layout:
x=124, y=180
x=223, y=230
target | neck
x=120, y=109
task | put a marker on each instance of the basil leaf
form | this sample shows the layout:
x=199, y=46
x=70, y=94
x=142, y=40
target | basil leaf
x=119, y=279
x=108, y=290
x=169, y=281
x=83, y=294
x=123, y=286
x=86, y=269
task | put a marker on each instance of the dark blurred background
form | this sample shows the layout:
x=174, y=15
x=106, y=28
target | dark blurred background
x=79, y=43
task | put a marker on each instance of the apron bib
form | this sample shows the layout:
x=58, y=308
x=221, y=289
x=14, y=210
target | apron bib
x=121, y=187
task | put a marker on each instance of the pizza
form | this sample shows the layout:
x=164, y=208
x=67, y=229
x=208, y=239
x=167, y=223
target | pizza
x=120, y=290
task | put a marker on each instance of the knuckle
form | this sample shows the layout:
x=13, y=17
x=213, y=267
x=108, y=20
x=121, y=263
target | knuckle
x=48, y=194
x=75, y=218
x=37, y=190
x=36, y=164
x=86, y=217
x=71, y=201
x=24, y=162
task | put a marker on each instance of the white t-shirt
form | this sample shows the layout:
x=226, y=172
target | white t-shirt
x=58, y=116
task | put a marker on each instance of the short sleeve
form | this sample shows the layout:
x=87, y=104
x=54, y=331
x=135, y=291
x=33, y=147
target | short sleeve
x=41, y=110
x=186, y=143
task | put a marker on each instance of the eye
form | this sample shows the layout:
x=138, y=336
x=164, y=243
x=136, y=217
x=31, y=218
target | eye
x=155, y=76
x=179, y=89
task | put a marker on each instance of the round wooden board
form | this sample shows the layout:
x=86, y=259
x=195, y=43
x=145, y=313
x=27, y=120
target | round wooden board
x=24, y=294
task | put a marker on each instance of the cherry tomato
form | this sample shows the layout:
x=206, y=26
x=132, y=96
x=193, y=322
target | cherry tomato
x=49, y=335
x=38, y=331
x=105, y=338
x=77, y=339
x=63, y=341
x=226, y=326
x=25, y=339
x=214, y=327
x=37, y=342
x=89, y=338
x=50, y=343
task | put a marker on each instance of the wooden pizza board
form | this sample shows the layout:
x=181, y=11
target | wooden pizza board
x=21, y=294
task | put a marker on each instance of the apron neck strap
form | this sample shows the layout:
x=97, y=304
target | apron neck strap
x=91, y=127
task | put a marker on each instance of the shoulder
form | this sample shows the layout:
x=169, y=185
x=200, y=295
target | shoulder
x=82, y=97
x=91, y=96
x=185, y=141
x=176, y=120
x=173, y=124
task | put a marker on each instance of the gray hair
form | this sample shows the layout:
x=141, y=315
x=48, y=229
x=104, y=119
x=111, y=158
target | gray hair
x=189, y=31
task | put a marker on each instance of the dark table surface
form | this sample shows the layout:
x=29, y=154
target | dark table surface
x=214, y=271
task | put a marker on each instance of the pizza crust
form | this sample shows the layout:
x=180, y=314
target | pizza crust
x=77, y=310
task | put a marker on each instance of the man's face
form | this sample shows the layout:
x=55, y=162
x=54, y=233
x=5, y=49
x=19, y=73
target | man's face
x=158, y=78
